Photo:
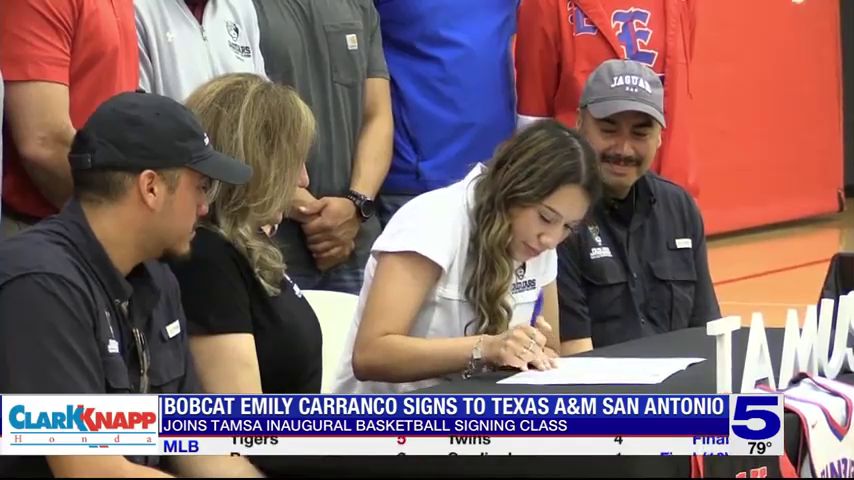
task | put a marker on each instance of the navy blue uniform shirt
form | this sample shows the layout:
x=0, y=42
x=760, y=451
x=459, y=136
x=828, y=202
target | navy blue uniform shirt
x=639, y=268
x=71, y=323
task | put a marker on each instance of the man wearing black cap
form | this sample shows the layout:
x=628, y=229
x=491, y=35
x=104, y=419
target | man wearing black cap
x=640, y=266
x=85, y=307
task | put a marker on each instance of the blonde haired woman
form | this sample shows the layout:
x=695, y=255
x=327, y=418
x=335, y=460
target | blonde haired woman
x=250, y=329
x=452, y=282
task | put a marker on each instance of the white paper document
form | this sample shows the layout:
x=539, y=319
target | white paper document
x=604, y=371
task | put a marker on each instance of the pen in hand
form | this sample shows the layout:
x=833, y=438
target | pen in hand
x=538, y=309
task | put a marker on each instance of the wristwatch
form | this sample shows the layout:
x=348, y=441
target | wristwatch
x=364, y=205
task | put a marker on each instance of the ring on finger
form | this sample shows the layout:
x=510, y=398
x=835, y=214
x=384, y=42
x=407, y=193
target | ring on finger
x=530, y=346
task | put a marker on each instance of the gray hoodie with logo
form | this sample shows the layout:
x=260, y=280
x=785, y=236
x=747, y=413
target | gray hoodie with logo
x=177, y=54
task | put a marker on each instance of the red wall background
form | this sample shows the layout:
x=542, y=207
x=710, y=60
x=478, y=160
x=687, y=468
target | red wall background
x=767, y=81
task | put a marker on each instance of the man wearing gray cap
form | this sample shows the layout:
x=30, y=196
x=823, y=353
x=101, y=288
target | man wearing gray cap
x=640, y=267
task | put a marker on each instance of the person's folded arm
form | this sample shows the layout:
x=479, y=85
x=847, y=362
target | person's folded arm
x=372, y=157
x=36, y=42
x=374, y=146
x=41, y=130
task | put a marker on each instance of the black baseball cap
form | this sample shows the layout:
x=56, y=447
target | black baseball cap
x=139, y=131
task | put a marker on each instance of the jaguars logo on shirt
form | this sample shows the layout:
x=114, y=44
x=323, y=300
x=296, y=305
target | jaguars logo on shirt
x=242, y=51
x=520, y=272
x=598, y=251
x=521, y=284
x=233, y=30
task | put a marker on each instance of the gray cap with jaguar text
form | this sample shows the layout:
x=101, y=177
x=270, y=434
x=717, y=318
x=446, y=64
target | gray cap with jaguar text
x=623, y=85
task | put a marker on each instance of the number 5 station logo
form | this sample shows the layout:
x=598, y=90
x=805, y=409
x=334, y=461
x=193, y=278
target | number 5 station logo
x=756, y=424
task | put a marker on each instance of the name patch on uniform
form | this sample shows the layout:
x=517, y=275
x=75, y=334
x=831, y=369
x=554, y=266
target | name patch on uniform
x=112, y=346
x=600, y=252
x=684, y=243
x=352, y=41
x=173, y=329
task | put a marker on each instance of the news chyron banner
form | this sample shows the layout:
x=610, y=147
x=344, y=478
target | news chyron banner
x=393, y=425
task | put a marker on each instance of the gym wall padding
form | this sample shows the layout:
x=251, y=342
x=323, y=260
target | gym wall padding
x=847, y=25
x=767, y=82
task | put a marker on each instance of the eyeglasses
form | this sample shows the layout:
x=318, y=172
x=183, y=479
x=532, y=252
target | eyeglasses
x=144, y=357
x=142, y=354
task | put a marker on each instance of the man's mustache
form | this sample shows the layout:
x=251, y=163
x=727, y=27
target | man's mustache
x=622, y=160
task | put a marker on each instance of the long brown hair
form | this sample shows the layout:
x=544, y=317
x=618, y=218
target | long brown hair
x=268, y=126
x=525, y=170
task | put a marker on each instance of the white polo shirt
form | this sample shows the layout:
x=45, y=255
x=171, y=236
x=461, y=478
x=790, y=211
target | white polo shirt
x=437, y=225
x=177, y=54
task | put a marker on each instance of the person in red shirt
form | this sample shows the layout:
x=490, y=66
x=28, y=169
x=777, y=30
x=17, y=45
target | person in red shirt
x=60, y=60
x=559, y=42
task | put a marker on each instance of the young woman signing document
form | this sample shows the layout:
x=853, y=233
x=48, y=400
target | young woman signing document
x=452, y=282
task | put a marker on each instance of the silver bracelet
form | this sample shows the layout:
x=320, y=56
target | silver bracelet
x=476, y=362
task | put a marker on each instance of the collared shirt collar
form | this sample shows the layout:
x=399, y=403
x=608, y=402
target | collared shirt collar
x=138, y=283
x=197, y=8
x=635, y=207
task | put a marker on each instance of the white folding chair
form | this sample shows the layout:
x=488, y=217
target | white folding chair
x=335, y=312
